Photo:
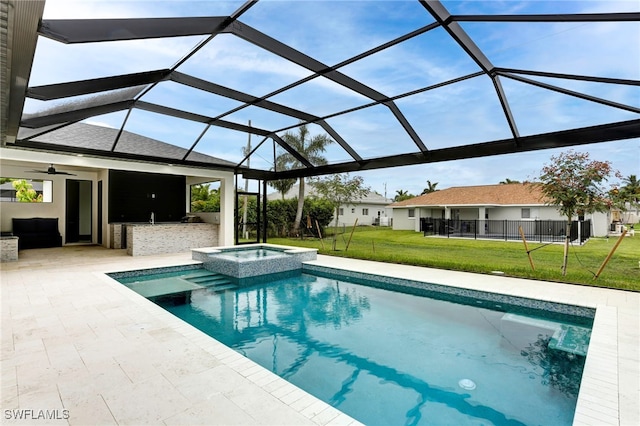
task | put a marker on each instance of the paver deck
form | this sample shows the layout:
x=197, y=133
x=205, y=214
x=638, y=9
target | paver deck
x=81, y=348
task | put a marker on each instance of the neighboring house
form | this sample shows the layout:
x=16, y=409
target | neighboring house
x=485, y=202
x=631, y=215
x=372, y=209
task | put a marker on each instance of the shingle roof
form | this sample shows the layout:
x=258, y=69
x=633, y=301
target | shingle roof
x=101, y=138
x=505, y=194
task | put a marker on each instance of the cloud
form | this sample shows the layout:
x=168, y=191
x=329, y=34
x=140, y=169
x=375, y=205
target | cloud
x=334, y=31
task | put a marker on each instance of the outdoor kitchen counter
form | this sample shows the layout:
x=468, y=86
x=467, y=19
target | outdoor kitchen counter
x=145, y=239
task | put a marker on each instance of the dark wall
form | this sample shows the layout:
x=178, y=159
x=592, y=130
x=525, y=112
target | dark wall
x=134, y=195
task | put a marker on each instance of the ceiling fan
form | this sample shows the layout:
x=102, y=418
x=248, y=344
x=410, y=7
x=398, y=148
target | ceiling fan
x=52, y=171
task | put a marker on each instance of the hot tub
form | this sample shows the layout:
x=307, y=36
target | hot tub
x=253, y=260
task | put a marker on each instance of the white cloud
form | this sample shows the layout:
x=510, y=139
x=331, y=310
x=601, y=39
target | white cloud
x=449, y=116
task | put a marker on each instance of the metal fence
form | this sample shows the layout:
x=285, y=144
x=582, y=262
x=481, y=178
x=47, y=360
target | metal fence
x=534, y=230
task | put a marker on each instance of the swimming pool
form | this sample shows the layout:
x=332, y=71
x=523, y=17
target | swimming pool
x=385, y=357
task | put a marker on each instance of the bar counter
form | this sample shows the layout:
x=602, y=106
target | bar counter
x=160, y=238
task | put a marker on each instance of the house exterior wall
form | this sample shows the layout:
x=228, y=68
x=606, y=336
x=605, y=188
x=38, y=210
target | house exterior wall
x=436, y=213
x=600, y=221
x=515, y=213
x=402, y=221
x=468, y=213
x=16, y=164
x=351, y=212
x=56, y=208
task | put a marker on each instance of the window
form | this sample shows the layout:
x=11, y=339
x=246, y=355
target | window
x=353, y=210
x=365, y=212
x=412, y=212
x=525, y=213
x=205, y=197
x=18, y=190
x=340, y=211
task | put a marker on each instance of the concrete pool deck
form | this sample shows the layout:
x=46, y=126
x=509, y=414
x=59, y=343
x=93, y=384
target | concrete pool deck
x=81, y=348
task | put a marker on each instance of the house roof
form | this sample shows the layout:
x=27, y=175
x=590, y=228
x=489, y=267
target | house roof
x=370, y=198
x=100, y=139
x=498, y=195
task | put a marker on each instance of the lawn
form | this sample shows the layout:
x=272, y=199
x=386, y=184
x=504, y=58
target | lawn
x=412, y=248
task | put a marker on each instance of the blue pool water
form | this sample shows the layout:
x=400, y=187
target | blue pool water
x=252, y=253
x=389, y=358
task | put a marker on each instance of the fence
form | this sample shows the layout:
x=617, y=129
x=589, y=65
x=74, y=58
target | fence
x=534, y=230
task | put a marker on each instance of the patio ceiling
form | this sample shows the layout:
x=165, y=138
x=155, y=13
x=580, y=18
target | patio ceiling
x=393, y=83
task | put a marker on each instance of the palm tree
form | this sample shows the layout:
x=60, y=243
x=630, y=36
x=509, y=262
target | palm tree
x=402, y=195
x=631, y=189
x=309, y=148
x=507, y=181
x=431, y=187
x=282, y=185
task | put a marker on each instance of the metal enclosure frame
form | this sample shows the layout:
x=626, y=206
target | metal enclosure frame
x=24, y=23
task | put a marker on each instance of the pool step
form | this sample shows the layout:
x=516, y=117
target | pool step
x=212, y=281
x=196, y=273
x=223, y=287
x=571, y=338
x=162, y=287
x=518, y=329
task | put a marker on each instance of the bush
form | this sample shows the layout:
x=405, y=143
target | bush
x=320, y=210
x=281, y=215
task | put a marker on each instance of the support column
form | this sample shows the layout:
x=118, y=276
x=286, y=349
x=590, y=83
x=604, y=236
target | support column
x=481, y=220
x=227, y=191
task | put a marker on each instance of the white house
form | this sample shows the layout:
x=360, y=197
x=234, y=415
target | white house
x=517, y=201
x=372, y=209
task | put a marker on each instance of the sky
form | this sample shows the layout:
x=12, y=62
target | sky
x=334, y=31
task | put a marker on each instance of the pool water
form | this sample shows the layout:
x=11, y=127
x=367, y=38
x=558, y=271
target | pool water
x=386, y=357
x=252, y=253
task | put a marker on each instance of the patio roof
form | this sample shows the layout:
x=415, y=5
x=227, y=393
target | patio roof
x=392, y=83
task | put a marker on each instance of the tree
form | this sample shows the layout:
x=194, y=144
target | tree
x=402, y=195
x=282, y=185
x=25, y=192
x=310, y=148
x=575, y=185
x=630, y=192
x=340, y=189
x=281, y=214
x=431, y=187
x=204, y=199
x=508, y=181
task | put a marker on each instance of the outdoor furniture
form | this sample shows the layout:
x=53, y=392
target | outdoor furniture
x=37, y=232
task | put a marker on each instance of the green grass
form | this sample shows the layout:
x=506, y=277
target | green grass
x=412, y=248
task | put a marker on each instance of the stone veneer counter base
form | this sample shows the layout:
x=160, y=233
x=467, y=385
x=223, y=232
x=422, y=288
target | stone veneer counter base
x=146, y=239
x=8, y=249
